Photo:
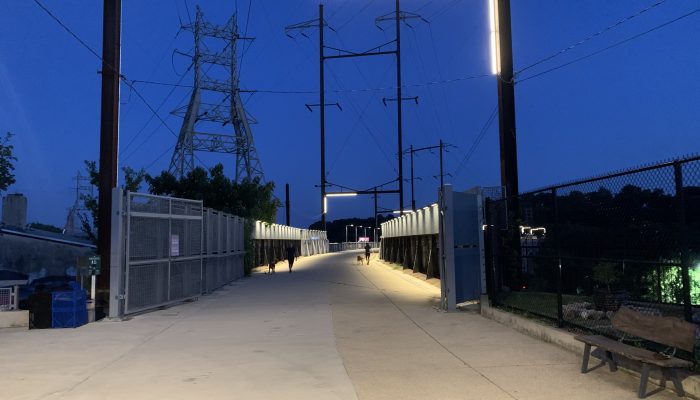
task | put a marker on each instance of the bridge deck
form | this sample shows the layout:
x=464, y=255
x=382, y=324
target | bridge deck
x=331, y=329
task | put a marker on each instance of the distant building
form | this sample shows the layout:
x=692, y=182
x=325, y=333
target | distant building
x=14, y=210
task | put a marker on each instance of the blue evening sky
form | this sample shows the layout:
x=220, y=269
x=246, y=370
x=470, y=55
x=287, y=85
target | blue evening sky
x=633, y=104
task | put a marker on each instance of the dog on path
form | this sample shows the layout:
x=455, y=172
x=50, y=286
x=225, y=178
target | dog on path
x=271, y=267
x=360, y=260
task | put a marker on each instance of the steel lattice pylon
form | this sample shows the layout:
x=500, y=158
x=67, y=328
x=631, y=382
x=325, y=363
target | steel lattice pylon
x=222, y=104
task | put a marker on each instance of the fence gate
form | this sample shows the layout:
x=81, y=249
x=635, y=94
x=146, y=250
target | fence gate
x=166, y=250
x=163, y=257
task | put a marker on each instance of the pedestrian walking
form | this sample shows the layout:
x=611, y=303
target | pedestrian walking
x=367, y=249
x=291, y=254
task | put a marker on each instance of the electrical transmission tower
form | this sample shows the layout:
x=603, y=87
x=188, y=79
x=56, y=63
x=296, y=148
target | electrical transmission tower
x=215, y=103
x=82, y=187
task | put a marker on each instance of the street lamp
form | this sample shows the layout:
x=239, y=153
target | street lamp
x=356, y=233
x=365, y=231
x=346, y=232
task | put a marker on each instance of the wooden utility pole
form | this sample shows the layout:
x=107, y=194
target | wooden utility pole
x=109, y=137
x=506, y=111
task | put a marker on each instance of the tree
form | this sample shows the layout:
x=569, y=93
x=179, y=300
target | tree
x=247, y=199
x=7, y=160
x=132, y=182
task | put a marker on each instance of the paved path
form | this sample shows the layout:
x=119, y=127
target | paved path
x=329, y=330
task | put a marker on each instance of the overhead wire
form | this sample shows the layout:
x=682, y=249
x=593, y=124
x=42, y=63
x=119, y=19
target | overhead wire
x=477, y=141
x=590, y=37
x=371, y=133
x=145, y=125
x=604, y=49
x=352, y=130
x=122, y=77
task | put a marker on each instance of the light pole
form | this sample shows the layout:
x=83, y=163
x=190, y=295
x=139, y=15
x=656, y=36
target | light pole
x=346, y=232
x=365, y=231
x=356, y=233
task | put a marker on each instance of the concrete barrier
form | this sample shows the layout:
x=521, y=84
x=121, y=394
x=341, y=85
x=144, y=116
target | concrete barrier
x=14, y=319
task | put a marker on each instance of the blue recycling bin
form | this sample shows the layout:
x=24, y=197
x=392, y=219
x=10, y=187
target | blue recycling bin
x=68, y=309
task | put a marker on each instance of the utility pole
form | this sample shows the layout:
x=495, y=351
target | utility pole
x=286, y=203
x=443, y=147
x=322, y=104
x=376, y=220
x=109, y=137
x=398, y=102
x=506, y=110
x=413, y=196
x=397, y=16
x=321, y=25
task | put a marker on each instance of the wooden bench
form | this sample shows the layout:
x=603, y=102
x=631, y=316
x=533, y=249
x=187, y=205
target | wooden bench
x=669, y=331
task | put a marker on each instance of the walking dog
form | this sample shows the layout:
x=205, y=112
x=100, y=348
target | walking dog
x=360, y=260
x=271, y=267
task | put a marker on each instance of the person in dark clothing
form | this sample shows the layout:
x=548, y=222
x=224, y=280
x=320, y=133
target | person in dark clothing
x=367, y=249
x=291, y=254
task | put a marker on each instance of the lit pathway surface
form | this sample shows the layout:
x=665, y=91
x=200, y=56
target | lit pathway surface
x=329, y=330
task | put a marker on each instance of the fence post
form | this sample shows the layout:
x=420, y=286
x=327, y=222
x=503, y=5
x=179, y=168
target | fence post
x=560, y=308
x=683, y=240
x=488, y=253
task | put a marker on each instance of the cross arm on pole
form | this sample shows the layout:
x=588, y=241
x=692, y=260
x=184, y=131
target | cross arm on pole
x=309, y=106
x=388, y=99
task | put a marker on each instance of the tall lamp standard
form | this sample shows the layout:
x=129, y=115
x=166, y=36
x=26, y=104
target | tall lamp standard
x=356, y=233
x=365, y=231
x=346, y=232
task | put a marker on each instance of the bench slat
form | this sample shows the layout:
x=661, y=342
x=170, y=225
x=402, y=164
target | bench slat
x=634, y=353
x=670, y=331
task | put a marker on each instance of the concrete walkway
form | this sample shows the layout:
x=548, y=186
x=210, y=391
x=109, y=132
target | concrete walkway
x=329, y=330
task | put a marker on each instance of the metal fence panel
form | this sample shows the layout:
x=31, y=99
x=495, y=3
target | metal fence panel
x=177, y=250
x=585, y=248
x=6, y=302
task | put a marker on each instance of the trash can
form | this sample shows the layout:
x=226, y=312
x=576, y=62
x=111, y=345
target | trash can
x=39, y=305
x=68, y=309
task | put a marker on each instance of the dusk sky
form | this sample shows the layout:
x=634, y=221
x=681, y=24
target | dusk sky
x=635, y=103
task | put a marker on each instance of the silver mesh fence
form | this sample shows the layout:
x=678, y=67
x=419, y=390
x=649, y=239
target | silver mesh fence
x=176, y=250
x=6, y=302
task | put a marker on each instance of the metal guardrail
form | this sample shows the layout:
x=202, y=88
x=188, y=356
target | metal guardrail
x=336, y=247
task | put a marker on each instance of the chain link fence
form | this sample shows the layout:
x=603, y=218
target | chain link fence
x=580, y=250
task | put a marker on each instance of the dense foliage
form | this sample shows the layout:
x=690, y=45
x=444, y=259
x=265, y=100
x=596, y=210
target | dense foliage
x=248, y=199
x=7, y=160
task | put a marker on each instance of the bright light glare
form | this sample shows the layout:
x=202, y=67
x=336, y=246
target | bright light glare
x=325, y=205
x=348, y=194
x=493, y=37
x=404, y=211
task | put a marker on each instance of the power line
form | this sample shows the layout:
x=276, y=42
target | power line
x=366, y=6
x=443, y=10
x=590, y=37
x=76, y=37
x=621, y=42
x=151, y=118
x=355, y=108
x=123, y=78
x=477, y=140
x=159, y=157
x=361, y=90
